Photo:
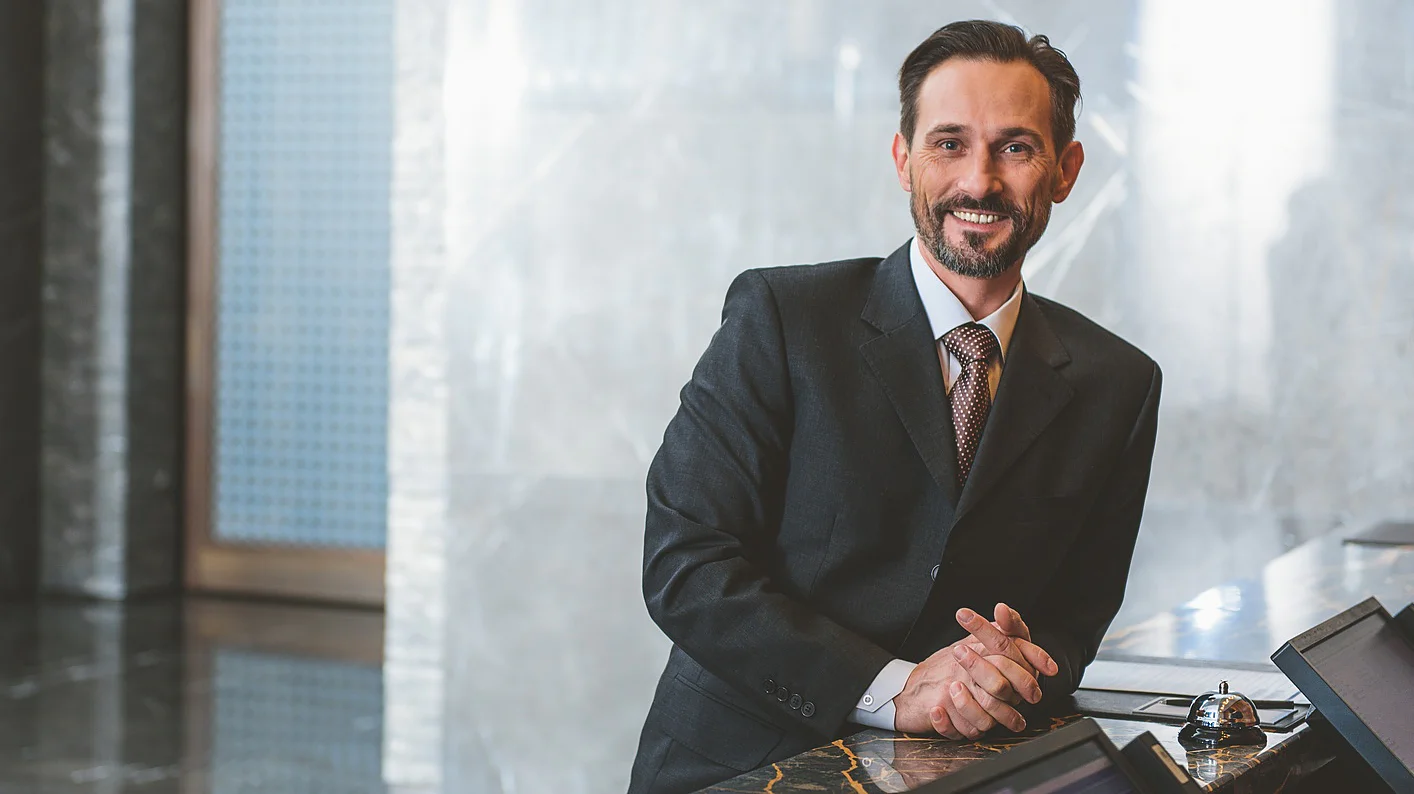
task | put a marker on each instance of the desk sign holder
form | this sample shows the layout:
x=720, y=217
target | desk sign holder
x=1078, y=757
x=1357, y=669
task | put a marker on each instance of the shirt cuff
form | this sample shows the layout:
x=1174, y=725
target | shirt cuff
x=875, y=708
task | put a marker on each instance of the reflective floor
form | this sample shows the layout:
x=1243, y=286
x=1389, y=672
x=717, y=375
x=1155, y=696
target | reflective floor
x=195, y=696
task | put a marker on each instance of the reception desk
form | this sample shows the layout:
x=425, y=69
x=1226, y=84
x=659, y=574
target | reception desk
x=1242, y=621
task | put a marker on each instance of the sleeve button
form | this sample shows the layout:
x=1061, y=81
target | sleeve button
x=768, y=686
x=795, y=702
x=807, y=709
x=934, y=574
x=782, y=694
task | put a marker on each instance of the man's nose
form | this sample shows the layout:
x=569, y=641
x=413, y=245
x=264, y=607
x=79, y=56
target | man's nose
x=980, y=178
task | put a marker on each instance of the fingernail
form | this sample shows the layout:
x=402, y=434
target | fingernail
x=960, y=652
x=936, y=715
x=966, y=614
x=956, y=688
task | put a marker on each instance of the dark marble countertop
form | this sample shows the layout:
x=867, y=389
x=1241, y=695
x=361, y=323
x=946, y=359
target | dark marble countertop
x=883, y=761
x=1243, y=621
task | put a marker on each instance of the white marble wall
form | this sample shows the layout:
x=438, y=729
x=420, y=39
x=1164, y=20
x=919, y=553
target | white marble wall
x=583, y=180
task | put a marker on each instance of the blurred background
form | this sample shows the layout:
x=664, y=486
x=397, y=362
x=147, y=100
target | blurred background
x=337, y=336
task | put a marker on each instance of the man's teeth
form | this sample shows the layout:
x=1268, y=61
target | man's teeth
x=977, y=217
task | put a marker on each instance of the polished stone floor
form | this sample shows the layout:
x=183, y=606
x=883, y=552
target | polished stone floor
x=189, y=696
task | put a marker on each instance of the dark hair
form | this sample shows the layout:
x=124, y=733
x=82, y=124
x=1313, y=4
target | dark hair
x=982, y=39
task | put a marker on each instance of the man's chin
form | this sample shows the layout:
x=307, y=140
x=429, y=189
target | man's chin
x=975, y=243
x=970, y=265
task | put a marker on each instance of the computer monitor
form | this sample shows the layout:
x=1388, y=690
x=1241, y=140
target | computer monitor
x=1357, y=669
x=1076, y=758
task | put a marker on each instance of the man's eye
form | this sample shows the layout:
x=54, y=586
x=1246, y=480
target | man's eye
x=1016, y=148
x=950, y=145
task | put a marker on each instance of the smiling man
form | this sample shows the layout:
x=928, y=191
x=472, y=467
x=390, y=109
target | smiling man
x=901, y=493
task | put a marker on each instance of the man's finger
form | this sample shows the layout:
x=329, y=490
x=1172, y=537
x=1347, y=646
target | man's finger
x=1020, y=677
x=990, y=636
x=974, y=720
x=1010, y=622
x=993, y=692
x=998, y=710
x=1037, y=657
x=988, y=675
x=942, y=723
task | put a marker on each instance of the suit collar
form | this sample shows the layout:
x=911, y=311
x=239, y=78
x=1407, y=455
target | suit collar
x=893, y=298
x=904, y=359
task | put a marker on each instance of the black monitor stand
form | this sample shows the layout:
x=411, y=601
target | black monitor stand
x=1357, y=669
x=1076, y=758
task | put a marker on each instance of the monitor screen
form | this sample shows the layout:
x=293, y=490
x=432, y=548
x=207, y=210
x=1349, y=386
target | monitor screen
x=1081, y=769
x=1370, y=665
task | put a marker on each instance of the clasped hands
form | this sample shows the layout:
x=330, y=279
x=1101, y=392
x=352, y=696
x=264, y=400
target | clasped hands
x=967, y=688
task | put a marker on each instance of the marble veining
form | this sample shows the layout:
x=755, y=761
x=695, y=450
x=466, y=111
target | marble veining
x=881, y=761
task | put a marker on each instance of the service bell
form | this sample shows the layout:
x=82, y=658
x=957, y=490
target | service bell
x=1221, y=718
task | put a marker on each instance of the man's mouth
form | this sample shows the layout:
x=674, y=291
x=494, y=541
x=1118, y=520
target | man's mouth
x=980, y=218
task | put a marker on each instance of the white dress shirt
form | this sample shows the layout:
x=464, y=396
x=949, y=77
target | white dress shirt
x=945, y=312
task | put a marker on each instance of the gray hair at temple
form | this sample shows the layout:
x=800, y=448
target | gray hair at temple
x=982, y=39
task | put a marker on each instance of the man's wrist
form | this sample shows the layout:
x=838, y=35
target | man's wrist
x=875, y=707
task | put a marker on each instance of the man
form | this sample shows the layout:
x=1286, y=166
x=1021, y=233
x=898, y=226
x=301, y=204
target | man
x=873, y=457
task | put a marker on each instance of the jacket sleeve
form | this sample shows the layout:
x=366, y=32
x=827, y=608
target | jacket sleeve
x=1089, y=588
x=715, y=495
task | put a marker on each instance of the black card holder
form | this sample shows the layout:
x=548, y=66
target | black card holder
x=1277, y=716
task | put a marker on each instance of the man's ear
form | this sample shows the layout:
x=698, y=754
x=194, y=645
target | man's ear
x=1071, y=158
x=900, y=152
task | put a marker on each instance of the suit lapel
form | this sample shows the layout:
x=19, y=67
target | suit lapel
x=1030, y=395
x=904, y=358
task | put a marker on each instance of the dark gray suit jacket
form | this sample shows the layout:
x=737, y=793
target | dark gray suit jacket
x=805, y=524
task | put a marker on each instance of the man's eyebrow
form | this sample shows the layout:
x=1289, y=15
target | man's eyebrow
x=1023, y=132
x=949, y=129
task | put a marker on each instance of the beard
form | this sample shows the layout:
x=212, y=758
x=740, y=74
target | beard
x=972, y=258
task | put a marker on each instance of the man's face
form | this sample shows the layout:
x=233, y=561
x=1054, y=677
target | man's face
x=982, y=166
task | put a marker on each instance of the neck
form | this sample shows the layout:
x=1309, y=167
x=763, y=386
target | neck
x=980, y=296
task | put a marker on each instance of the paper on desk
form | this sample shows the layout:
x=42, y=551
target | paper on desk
x=1177, y=679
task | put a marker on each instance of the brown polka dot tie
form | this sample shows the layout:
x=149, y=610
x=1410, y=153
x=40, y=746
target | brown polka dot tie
x=974, y=345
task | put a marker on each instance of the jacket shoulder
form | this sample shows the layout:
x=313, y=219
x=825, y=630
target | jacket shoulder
x=847, y=280
x=1087, y=340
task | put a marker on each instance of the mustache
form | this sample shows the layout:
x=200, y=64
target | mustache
x=992, y=205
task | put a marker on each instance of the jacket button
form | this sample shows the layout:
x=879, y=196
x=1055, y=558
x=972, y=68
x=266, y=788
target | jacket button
x=768, y=686
x=782, y=694
x=795, y=702
x=934, y=574
x=808, y=709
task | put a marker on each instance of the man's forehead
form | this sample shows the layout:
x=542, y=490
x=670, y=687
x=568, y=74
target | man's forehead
x=973, y=92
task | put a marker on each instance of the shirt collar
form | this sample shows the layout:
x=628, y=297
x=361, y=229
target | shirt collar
x=945, y=312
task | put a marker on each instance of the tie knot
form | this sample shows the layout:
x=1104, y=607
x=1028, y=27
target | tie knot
x=972, y=343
